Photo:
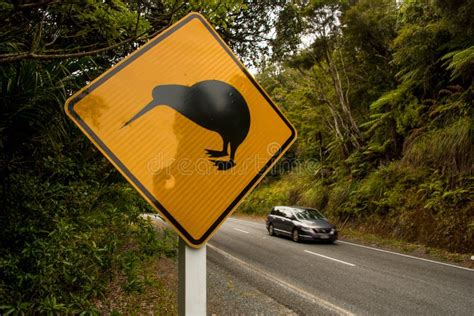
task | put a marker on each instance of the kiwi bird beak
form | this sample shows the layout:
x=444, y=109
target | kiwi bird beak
x=144, y=110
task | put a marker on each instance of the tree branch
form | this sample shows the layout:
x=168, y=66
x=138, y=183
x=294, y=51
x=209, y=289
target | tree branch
x=37, y=4
x=4, y=58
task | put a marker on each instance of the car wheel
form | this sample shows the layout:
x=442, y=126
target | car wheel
x=295, y=235
x=271, y=232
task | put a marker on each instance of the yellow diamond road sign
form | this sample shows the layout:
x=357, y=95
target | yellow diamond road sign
x=186, y=124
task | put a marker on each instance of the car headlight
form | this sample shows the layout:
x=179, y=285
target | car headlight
x=306, y=229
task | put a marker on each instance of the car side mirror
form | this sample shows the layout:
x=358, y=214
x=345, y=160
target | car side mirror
x=292, y=217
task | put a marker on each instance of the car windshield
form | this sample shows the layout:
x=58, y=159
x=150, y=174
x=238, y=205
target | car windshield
x=309, y=214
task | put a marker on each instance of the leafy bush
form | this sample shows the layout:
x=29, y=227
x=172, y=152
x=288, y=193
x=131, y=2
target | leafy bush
x=63, y=231
x=267, y=196
x=317, y=196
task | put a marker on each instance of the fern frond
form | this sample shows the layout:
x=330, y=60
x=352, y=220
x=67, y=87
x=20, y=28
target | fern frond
x=460, y=62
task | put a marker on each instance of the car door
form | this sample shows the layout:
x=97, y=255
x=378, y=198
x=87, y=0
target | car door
x=277, y=219
x=273, y=217
x=287, y=223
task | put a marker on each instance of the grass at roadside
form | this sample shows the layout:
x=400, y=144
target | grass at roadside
x=372, y=240
x=154, y=292
x=146, y=285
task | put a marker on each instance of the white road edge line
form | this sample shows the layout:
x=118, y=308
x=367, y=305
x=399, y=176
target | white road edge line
x=319, y=301
x=333, y=259
x=245, y=221
x=407, y=256
x=381, y=250
x=240, y=230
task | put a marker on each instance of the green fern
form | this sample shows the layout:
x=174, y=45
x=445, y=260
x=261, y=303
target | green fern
x=460, y=62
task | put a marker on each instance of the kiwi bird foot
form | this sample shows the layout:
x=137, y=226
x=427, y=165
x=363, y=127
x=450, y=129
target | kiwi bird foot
x=223, y=165
x=216, y=153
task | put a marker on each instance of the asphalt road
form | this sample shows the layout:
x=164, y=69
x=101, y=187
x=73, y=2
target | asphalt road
x=343, y=278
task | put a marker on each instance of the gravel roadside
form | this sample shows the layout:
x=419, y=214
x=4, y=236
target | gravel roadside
x=227, y=295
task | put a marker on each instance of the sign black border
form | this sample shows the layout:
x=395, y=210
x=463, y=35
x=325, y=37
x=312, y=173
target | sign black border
x=131, y=177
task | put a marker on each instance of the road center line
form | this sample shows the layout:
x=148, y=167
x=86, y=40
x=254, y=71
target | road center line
x=259, y=224
x=333, y=259
x=407, y=256
x=319, y=301
x=240, y=230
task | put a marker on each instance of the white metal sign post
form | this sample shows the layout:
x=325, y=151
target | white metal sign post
x=192, y=280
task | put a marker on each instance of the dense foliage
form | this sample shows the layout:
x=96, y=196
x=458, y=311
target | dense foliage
x=68, y=219
x=381, y=92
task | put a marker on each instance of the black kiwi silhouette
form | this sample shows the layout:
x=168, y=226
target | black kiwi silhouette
x=213, y=105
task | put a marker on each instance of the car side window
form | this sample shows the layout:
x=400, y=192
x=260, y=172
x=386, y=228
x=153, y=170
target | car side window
x=280, y=212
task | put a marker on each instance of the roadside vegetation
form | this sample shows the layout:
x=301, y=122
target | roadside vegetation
x=382, y=97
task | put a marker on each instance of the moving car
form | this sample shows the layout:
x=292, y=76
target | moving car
x=300, y=223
